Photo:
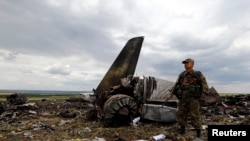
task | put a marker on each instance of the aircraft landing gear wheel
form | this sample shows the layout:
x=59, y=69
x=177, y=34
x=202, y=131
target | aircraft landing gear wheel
x=119, y=110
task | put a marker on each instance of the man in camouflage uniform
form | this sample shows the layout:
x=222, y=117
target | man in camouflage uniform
x=188, y=89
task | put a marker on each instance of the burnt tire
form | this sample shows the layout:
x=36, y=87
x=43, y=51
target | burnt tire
x=119, y=110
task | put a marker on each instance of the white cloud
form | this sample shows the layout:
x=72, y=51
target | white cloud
x=70, y=44
x=59, y=69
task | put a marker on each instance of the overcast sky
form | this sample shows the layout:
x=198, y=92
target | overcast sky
x=70, y=44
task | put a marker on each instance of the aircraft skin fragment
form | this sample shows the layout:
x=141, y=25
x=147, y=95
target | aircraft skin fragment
x=159, y=113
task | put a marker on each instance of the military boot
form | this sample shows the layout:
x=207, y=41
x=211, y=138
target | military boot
x=198, y=133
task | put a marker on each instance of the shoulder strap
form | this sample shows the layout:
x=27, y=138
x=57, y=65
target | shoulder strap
x=198, y=74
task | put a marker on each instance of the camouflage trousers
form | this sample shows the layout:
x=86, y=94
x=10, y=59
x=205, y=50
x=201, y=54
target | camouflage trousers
x=189, y=107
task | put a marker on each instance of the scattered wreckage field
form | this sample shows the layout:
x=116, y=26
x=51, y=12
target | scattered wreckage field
x=64, y=118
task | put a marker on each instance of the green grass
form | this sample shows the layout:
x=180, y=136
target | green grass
x=228, y=94
x=37, y=97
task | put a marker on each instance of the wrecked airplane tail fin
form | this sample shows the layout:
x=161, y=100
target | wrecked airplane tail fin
x=124, y=65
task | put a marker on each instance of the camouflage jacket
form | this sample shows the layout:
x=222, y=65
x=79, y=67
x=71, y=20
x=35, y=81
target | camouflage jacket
x=190, y=84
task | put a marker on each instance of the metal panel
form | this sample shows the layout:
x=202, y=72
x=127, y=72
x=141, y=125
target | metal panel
x=159, y=113
x=161, y=90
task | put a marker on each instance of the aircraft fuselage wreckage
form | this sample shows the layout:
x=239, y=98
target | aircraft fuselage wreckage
x=121, y=97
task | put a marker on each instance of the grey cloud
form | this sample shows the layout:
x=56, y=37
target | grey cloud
x=10, y=56
x=233, y=11
x=44, y=30
x=35, y=28
x=58, y=69
x=188, y=43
